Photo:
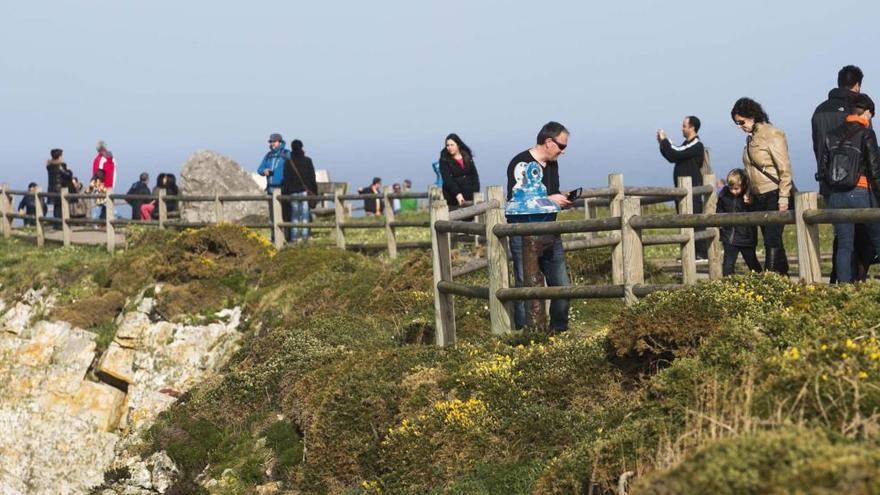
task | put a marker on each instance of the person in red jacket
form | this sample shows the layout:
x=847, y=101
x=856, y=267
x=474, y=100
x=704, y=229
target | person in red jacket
x=104, y=161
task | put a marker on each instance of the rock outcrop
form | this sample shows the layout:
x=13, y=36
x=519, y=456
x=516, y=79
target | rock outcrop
x=68, y=414
x=208, y=173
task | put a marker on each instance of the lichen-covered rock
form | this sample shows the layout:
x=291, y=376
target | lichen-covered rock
x=208, y=173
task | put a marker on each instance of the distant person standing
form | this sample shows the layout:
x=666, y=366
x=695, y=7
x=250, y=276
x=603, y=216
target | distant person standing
x=395, y=202
x=551, y=143
x=460, y=177
x=96, y=187
x=408, y=205
x=139, y=188
x=272, y=168
x=59, y=178
x=851, y=164
x=766, y=161
x=299, y=180
x=372, y=206
x=104, y=161
x=688, y=159
x=828, y=116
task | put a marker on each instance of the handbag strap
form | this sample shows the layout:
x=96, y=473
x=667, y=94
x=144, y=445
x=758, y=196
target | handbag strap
x=293, y=166
x=761, y=169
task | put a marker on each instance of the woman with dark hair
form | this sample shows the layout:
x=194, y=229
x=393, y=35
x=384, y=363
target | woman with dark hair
x=147, y=208
x=460, y=177
x=170, y=190
x=59, y=178
x=766, y=161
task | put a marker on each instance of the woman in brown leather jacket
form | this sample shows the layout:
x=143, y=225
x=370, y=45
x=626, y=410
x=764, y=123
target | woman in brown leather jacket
x=766, y=161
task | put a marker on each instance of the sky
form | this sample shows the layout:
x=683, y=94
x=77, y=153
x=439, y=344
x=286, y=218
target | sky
x=373, y=88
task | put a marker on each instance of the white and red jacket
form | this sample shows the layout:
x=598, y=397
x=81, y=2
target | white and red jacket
x=104, y=161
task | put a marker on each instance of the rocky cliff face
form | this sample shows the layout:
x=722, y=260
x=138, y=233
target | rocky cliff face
x=209, y=173
x=68, y=413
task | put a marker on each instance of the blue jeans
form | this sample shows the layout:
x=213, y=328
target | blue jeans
x=844, y=233
x=552, y=263
x=298, y=213
x=99, y=212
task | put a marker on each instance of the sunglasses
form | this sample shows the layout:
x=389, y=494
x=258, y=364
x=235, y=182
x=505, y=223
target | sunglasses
x=561, y=146
x=739, y=122
x=276, y=141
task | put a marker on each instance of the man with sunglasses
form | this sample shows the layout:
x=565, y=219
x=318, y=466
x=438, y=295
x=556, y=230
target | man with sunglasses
x=551, y=142
x=272, y=168
x=688, y=159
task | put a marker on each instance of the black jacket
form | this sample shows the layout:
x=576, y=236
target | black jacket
x=829, y=115
x=299, y=176
x=688, y=158
x=458, y=180
x=741, y=236
x=29, y=205
x=59, y=175
x=138, y=188
x=855, y=135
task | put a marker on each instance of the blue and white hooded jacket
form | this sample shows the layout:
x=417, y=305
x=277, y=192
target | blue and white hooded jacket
x=274, y=161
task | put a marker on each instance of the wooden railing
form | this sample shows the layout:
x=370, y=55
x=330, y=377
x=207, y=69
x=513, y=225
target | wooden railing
x=341, y=215
x=624, y=230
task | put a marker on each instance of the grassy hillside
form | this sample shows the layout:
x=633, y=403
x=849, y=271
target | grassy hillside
x=748, y=385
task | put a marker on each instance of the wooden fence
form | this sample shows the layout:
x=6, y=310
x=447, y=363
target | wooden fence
x=339, y=225
x=624, y=230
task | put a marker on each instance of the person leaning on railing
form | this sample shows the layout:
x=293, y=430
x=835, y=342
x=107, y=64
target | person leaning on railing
x=851, y=167
x=765, y=160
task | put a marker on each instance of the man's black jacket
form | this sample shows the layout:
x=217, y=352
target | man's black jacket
x=829, y=115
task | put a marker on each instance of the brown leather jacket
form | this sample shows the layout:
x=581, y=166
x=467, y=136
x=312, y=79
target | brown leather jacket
x=766, y=149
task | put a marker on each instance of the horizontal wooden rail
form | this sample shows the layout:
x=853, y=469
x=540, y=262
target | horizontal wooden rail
x=446, y=226
x=410, y=223
x=572, y=292
x=593, y=242
x=470, y=267
x=559, y=227
x=472, y=211
x=660, y=239
x=670, y=192
x=713, y=220
x=301, y=225
x=357, y=225
x=465, y=290
x=848, y=215
x=598, y=192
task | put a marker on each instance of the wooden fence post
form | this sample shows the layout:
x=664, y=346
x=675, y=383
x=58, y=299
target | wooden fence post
x=444, y=304
x=807, y=238
x=108, y=224
x=163, y=208
x=218, y=208
x=277, y=233
x=589, y=213
x=631, y=242
x=478, y=198
x=65, y=216
x=347, y=213
x=5, y=209
x=390, y=235
x=38, y=219
x=615, y=182
x=685, y=206
x=496, y=254
x=715, y=254
x=339, y=215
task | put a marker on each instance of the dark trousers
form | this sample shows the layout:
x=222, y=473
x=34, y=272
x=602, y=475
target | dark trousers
x=552, y=263
x=772, y=234
x=844, y=233
x=701, y=247
x=731, y=252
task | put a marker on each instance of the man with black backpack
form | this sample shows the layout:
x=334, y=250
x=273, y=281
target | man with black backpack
x=850, y=166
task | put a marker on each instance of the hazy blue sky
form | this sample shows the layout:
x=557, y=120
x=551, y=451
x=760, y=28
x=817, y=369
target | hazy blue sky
x=372, y=88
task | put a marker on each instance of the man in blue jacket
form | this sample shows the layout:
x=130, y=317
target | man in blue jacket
x=272, y=168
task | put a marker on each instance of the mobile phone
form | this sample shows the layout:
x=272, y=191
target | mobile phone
x=575, y=194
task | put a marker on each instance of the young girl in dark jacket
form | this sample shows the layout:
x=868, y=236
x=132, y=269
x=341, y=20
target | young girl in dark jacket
x=460, y=177
x=739, y=239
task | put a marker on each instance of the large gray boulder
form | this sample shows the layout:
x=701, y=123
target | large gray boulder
x=207, y=173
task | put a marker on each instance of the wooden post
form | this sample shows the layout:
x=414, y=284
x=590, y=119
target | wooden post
x=218, y=208
x=631, y=242
x=478, y=198
x=277, y=233
x=5, y=209
x=163, y=208
x=589, y=213
x=615, y=182
x=444, y=304
x=38, y=217
x=339, y=215
x=65, y=216
x=807, y=238
x=685, y=206
x=348, y=204
x=715, y=253
x=389, y=228
x=108, y=224
x=496, y=254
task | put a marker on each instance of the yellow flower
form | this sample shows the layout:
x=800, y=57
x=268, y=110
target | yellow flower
x=863, y=375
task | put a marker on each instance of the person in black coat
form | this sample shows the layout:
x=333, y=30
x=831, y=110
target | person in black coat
x=299, y=178
x=460, y=177
x=139, y=188
x=739, y=239
x=59, y=178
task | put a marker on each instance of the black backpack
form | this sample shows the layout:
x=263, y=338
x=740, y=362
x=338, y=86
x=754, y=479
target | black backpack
x=844, y=165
